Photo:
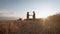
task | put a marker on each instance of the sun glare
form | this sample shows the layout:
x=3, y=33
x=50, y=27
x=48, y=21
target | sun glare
x=44, y=13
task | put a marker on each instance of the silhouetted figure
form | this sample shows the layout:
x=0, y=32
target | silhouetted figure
x=33, y=15
x=27, y=15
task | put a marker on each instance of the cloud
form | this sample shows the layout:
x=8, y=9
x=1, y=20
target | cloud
x=5, y=13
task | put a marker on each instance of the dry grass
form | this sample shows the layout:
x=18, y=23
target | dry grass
x=49, y=26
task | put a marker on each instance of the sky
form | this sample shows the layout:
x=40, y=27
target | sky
x=19, y=8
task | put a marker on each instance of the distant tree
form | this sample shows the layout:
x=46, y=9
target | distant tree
x=20, y=19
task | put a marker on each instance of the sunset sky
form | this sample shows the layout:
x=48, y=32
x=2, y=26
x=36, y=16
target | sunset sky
x=19, y=8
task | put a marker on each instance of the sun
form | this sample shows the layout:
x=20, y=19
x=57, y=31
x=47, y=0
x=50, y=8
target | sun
x=44, y=14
